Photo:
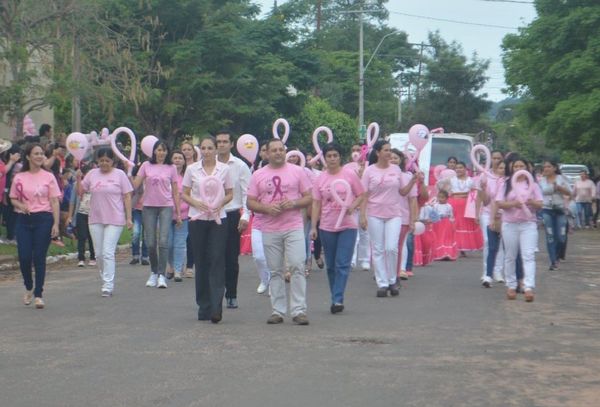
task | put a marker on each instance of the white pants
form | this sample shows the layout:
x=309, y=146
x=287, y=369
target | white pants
x=362, y=250
x=106, y=238
x=289, y=245
x=384, y=235
x=517, y=236
x=258, y=253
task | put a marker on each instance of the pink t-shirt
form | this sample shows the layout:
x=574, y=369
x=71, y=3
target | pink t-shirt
x=404, y=200
x=107, y=189
x=184, y=207
x=35, y=190
x=192, y=178
x=518, y=215
x=272, y=185
x=330, y=209
x=491, y=190
x=383, y=186
x=157, y=183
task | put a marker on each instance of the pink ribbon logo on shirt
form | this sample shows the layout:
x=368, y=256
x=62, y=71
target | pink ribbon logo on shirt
x=344, y=203
x=278, y=190
x=20, y=193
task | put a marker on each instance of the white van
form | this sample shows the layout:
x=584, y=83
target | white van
x=572, y=171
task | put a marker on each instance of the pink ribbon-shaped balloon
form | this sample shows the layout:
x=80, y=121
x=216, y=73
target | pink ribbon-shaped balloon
x=212, y=194
x=437, y=170
x=286, y=129
x=438, y=130
x=523, y=193
x=118, y=153
x=344, y=203
x=296, y=153
x=372, y=134
x=485, y=171
x=315, y=140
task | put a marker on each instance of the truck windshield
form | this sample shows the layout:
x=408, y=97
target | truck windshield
x=442, y=148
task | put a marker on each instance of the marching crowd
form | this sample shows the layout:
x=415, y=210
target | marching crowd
x=189, y=214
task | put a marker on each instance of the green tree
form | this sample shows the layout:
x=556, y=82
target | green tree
x=317, y=112
x=449, y=95
x=553, y=64
x=27, y=43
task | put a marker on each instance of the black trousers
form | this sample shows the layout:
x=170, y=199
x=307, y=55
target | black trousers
x=83, y=235
x=208, y=240
x=232, y=253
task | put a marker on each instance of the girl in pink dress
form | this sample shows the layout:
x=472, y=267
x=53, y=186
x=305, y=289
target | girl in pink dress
x=425, y=242
x=445, y=244
x=468, y=233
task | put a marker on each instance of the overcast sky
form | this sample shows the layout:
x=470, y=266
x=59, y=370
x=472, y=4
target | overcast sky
x=485, y=39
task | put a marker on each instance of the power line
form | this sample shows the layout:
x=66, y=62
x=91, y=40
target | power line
x=447, y=20
x=509, y=1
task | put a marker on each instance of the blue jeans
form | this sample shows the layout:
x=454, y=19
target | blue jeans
x=584, y=213
x=338, y=248
x=494, y=242
x=157, y=219
x=410, y=250
x=177, y=245
x=555, y=224
x=136, y=216
x=33, y=238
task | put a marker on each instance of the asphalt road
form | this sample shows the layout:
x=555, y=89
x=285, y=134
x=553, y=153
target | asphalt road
x=445, y=341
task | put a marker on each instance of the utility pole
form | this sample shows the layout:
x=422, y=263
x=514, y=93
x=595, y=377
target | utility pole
x=361, y=77
x=319, y=4
x=399, y=100
x=76, y=98
x=420, y=69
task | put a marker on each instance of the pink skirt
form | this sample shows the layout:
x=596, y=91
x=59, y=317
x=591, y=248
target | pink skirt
x=468, y=233
x=445, y=243
x=424, y=245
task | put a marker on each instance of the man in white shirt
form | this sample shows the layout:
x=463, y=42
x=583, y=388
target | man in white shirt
x=585, y=190
x=236, y=222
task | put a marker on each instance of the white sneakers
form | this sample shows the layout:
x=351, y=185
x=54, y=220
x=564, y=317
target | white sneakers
x=262, y=287
x=486, y=281
x=81, y=263
x=162, y=282
x=155, y=280
x=152, y=281
x=365, y=267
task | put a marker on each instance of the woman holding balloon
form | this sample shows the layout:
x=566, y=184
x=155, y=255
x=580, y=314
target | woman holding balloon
x=380, y=213
x=337, y=192
x=179, y=232
x=161, y=195
x=207, y=188
x=519, y=199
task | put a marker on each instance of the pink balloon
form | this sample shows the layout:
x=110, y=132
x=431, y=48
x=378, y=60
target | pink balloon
x=523, y=189
x=296, y=153
x=286, y=129
x=28, y=126
x=419, y=228
x=147, y=145
x=344, y=203
x=488, y=160
x=315, y=140
x=77, y=144
x=247, y=147
x=447, y=173
x=118, y=153
x=418, y=135
x=372, y=134
x=212, y=194
x=438, y=130
x=437, y=170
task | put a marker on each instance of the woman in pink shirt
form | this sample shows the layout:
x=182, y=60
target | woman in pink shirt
x=161, y=195
x=409, y=207
x=34, y=194
x=519, y=229
x=338, y=240
x=208, y=236
x=381, y=212
x=179, y=232
x=110, y=210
